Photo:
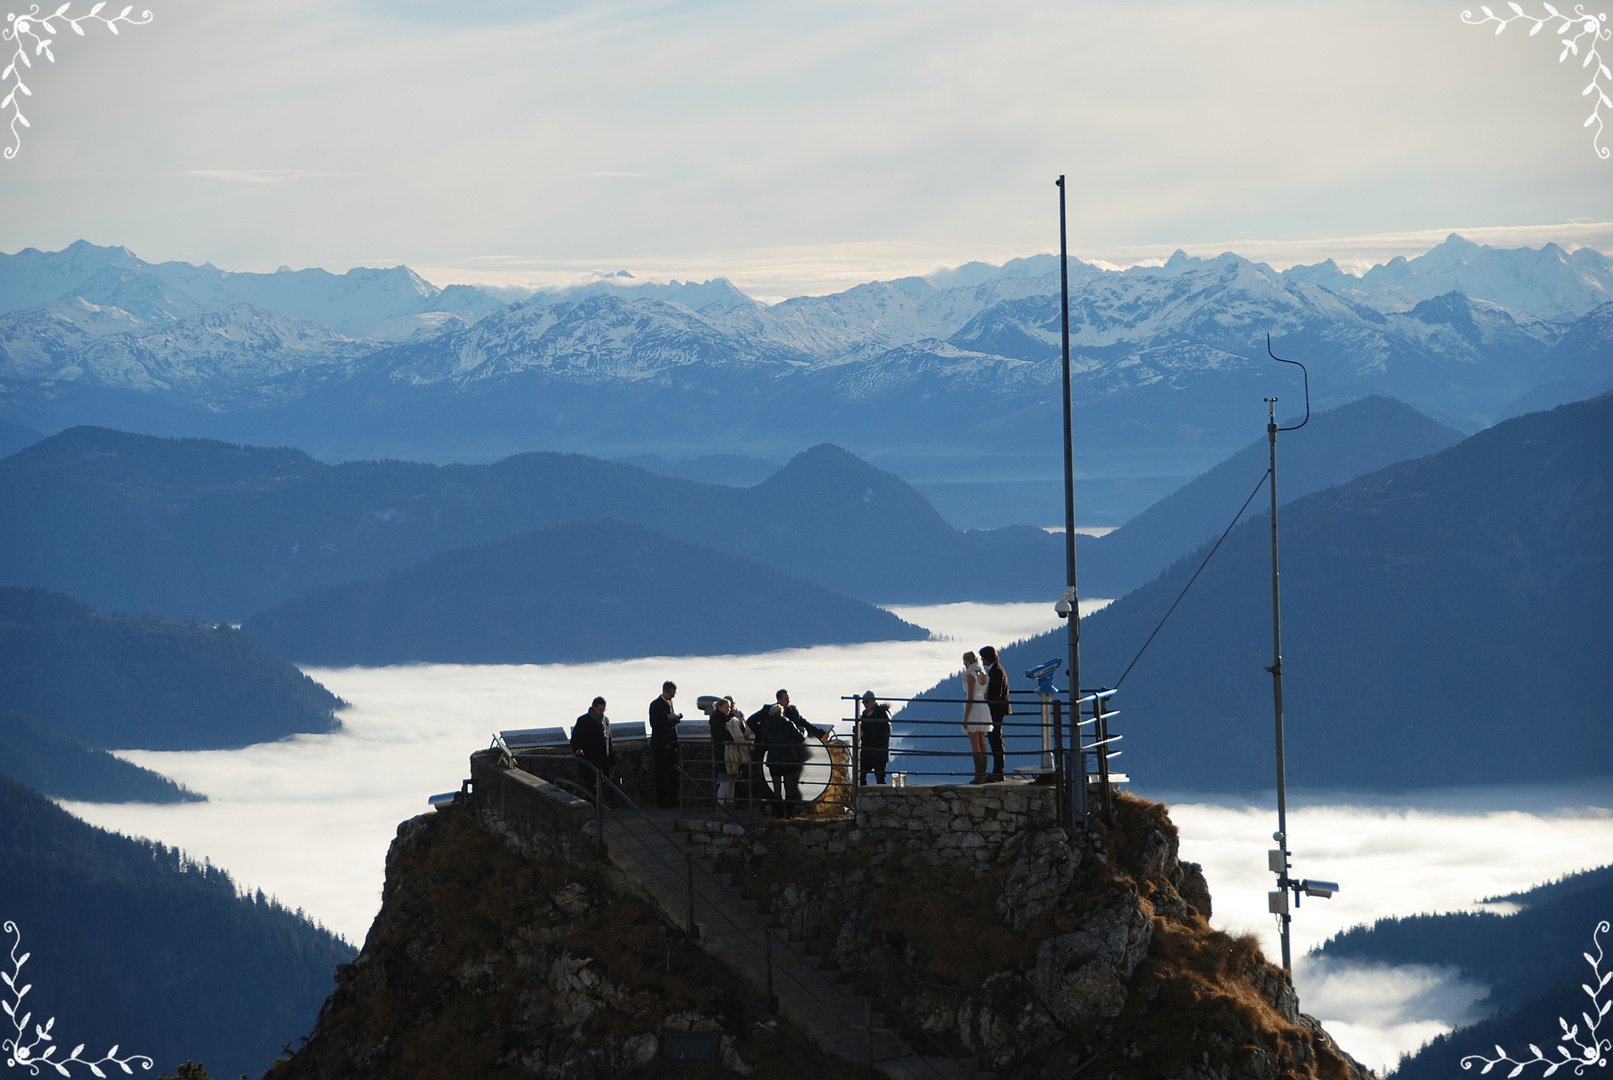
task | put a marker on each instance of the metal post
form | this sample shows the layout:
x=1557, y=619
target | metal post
x=1100, y=709
x=772, y=998
x=1276, y=670
x=599, y=807
x=1070, y=594
x=1047, y=732
x=1061, y=788
x=694, y=931
x=856, y=756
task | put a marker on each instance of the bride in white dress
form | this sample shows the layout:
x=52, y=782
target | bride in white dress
x=976, y=716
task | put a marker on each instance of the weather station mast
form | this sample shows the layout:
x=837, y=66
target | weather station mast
x=1068, y=607
x=1277, y=859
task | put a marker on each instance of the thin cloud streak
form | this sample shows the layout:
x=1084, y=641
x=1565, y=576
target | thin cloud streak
x=257, y=176
x=778, y=273
x=782, y=132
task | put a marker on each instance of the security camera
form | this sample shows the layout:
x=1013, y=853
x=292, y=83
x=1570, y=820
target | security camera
x=1324, y=889
x=1063, y=607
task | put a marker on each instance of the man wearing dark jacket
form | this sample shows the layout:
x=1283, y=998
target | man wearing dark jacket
x=783, y=746
x=997, y=702
x=664, y=746
x=590, y=738
x=873, y=739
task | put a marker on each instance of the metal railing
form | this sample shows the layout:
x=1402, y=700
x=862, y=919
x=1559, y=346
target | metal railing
x=1077, y=758
x=867, y=934
x=605, y=791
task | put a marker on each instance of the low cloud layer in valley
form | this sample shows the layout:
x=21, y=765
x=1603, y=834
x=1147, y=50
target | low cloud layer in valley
x=309, y=819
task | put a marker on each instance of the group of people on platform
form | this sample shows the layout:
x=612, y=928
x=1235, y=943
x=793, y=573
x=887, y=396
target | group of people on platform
x=774, y=737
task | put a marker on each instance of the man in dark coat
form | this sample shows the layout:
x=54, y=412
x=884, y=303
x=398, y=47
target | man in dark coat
x=664, y=746
x=873, y=739
x=997, y=702
x=590, y=739
x=793, y=715
x=783, y=746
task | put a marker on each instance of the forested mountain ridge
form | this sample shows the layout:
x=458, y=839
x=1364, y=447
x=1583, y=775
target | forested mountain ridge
x=215, y=531
x=134, y=944
x=1431, y=611
x=60, y=766
x=1533, y=960
x=569, y=594
x=147, y=683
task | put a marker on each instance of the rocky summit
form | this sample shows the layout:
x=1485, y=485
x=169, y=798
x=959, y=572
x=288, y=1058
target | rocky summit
x=1017, y=948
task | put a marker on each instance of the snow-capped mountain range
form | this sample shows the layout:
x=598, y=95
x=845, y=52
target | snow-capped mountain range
x=382, y=362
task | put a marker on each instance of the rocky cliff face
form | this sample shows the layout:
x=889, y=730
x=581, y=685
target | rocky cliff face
x=1094, y=945
x=485, y=964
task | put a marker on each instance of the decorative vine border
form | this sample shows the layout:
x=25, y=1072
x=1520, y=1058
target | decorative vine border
x=1590, y=1053
x=1588, y=25
x=20, y=1055
x=29, y=25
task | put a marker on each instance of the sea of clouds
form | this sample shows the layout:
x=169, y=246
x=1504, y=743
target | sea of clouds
x=309, y=819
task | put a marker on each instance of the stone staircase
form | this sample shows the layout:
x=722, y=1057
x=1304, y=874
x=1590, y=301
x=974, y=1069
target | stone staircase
x=653, y=854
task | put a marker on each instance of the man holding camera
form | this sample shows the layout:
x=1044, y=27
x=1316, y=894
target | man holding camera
x=664, y=746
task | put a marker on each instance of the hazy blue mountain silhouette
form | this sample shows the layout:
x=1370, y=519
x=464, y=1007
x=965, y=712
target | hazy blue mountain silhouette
x=1335, y=446
x=14, y=437
x=570, y=593
x=148, y=683
x=133, y=944
x=1444, y=622
x=195, y=527
x=60, y=766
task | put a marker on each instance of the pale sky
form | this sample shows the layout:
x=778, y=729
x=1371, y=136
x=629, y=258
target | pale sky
x=798, y=147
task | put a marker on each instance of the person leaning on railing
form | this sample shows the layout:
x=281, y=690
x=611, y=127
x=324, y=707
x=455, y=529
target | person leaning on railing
x=590, y=739
x=873, y=739
x=783, y=746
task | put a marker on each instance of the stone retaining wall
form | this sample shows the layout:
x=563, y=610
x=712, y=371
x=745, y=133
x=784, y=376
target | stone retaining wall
x=533, y=816
x=902, y=826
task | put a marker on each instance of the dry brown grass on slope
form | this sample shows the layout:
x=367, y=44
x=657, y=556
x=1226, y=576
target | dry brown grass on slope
x=448, y=985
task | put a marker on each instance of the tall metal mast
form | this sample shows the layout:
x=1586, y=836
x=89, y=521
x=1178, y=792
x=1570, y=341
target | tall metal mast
x=1277, y=861
x=1276, y=669
x=1069, y=604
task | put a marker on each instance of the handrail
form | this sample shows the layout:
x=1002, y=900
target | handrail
x=867, y=933
x=603, y=782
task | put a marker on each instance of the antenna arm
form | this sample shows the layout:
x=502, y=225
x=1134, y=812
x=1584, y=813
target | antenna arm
x=1307, y=375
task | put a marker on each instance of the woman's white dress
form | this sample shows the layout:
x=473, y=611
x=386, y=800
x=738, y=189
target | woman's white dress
x=976, y=716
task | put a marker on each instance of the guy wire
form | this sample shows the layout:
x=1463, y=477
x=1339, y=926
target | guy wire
x=1258, y=485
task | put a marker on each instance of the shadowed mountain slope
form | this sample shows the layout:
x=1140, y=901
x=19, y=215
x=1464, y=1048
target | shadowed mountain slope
x=1335, y=446
x=195, y=527
x=1533, y=960
x=571, y=593
x=148, y=683
x=60, y=766
x=133, y=944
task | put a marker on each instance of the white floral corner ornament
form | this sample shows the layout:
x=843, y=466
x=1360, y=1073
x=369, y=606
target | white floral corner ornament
x=1591, y=1049
x=1588, y=30
x=27, y=31
x=21, y=1055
